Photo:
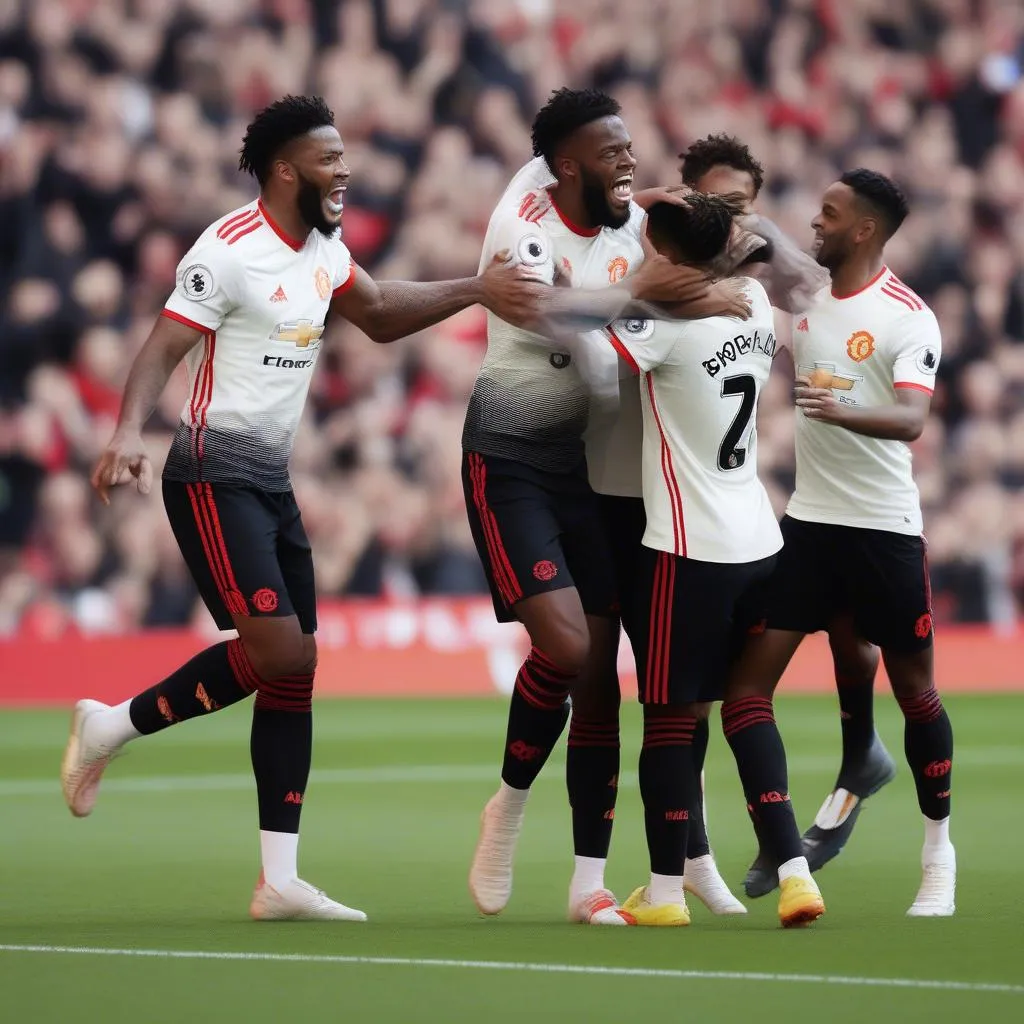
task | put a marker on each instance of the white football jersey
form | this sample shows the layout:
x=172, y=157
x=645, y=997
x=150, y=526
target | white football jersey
x=699, y=386
x=260, y=298
x=863, y=346
x=535, y=398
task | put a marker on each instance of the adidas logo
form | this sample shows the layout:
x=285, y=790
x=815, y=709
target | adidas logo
x=279, y=295
x=802, y=326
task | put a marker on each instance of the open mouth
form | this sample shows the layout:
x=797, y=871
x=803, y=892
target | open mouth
x=818, y=242
x=622, y=189
x=335, y=199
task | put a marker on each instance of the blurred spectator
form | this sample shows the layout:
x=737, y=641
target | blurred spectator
x=120, y=123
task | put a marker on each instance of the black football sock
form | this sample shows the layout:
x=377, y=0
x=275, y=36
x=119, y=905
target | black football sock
x=281, y=747
x=537, y=715
x=669, y=788
x=592, y=779
x=749, y=726
x=213, y=679
x=928, y=742
x=697, y=843
x=857, y=720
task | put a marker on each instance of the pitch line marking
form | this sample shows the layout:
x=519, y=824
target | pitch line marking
x=413, y=773
x=534, y=968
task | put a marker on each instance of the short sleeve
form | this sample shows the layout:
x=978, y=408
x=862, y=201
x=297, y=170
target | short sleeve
x=527, y=243
x=645, y=344
x=344, y=271
x=918, y=350
x=206, y=286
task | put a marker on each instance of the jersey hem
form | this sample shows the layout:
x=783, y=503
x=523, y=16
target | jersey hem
x=825, y=519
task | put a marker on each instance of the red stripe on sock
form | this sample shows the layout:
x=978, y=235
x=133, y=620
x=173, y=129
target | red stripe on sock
x=744, y=713
x=593, y=734
x=925, y=707
x=537, y=695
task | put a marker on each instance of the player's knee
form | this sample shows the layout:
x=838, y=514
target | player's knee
x=293, y=654
x=907, y=688
x=702, y=711
x=569, y=647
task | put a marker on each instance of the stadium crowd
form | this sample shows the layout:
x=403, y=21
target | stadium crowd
x=120, y=122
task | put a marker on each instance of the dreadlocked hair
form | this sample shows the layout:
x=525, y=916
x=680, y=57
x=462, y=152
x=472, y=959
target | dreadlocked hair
x=699, y=228
x=275, y=126
x=565, y=111
x=718, y=151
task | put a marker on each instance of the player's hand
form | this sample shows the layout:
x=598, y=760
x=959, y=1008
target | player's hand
x=724, y=298
x=510, y=291
x=818, y=403
x=660, y=280
x=674, y=194
x=124, y=459
x=535, y=204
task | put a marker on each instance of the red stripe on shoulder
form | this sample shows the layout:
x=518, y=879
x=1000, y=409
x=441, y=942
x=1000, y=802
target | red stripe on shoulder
x=897, y=285
x=247, y=229
x=236, y=221
x=897, y=297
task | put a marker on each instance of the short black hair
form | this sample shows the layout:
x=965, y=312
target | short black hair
x=275, y=126
x=716, y=151
x=699, y=228
x=565, y=111
x=885, y=198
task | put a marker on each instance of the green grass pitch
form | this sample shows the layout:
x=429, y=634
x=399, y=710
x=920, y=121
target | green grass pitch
x=168, y=859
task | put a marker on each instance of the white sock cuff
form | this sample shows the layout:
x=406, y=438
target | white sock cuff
x=513, y=797
x=795, y=868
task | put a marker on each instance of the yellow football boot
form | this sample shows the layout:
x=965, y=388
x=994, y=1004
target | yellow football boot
x=800, y=902
x=654, y=915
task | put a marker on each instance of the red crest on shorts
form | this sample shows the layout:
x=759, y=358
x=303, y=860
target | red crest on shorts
x=923, y=627
x=264, y=600
x=545, y=570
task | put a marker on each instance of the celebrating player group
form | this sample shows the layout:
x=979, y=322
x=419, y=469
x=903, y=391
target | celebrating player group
x=610, y=475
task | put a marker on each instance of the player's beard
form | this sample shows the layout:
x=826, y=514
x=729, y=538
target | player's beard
x=595, y=202
x=311, y=208
x=833, y=253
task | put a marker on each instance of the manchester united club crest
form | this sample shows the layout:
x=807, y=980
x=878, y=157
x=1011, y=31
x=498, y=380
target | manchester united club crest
x=617, y=269
x=322, y=280
x=860, y=346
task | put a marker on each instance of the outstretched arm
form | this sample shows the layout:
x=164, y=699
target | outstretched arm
x=389, y=310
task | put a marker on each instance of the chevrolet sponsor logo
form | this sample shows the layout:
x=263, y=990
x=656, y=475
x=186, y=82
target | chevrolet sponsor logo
x=299, y=332
x=827, y=375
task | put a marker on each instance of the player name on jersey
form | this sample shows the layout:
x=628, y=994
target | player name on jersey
x=740, y=345
x=701, y=490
